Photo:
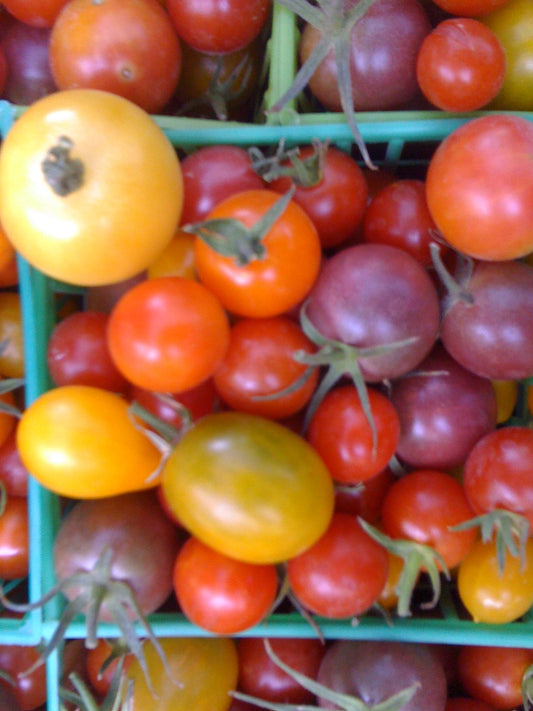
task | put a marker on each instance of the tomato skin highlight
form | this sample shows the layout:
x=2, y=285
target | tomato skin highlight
x=79, y=441
x=248, y=487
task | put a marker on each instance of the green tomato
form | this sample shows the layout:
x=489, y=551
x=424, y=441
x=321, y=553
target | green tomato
x=513, y=25
x=249, y=487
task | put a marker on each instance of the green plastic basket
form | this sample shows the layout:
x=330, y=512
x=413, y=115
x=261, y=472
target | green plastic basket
x=398, y=140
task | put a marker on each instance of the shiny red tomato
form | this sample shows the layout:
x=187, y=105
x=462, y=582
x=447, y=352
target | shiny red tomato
x=398, y=215
x=266, y=284
x=461, y=65
x=498, y=472
x=259, y=362
x=422, y=505
x=479, y=187
x=336, y=203
x=30, y=690
x=78, y=354
x=14, y=539
x=342, y=574
x=259, y=676
x=168, y=334
x=221, y=594
x=219, y=25
x=494, y=674
x=341, y=433
x=127, y=47
x=469, y=8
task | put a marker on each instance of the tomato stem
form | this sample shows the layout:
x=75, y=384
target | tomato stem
x=63, y=173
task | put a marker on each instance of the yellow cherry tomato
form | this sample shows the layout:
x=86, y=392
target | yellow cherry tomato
x=506, y=397
x=490, y=596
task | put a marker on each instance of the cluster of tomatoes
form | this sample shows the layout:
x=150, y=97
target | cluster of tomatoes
x=290, y=383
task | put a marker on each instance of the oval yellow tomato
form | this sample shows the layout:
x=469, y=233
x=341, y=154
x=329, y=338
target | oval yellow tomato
x=90, y=187
x=79, y=441
x=204, y=671
x=248, y=487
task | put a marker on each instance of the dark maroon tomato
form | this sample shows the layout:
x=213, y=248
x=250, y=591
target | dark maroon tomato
x=29, y=76
x=398, y=215
x=78, y=353
x=444, y=410
x=375, y=670
x=490, y=333
x=143, y=539
x=13, y=473
x=376, y=295
x=218, y=25
x=365, y=499
x=384, y=46
x=259, y=676
x=211, y=174
x=337, y=203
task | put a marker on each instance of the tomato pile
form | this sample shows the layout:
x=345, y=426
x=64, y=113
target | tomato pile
x=286, y=381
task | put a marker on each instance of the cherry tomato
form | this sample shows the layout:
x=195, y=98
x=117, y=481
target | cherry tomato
x=99, y=670
x=127, y=47
x=248, y=487
x=494, y=674
x=168, y=334
x=337, y=202
x=221, y=594
x=494, y=597
x=80, y=442
x=507, y=397
x=463, y=703
x=470, y=8
x=259, y=676
x=205, y=670
x=30, y=690
x=398, y=215
x=422, y=505
x=198, y=401
x=512, y=23
x=366, y=498
x=259, y=361
x=498, y=472
x=341, y=433
x=218, y=25
x=479, y=187
x=212, y=173
x=461, y=65
x=13, y=473
x=77, y=237
x=38, y=13
x=78, y=354
x=14, y=539
x=269, y=285
x=342, y=574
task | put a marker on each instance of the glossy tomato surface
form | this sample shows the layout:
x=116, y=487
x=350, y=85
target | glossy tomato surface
x=249, y=487
x=479, y=187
